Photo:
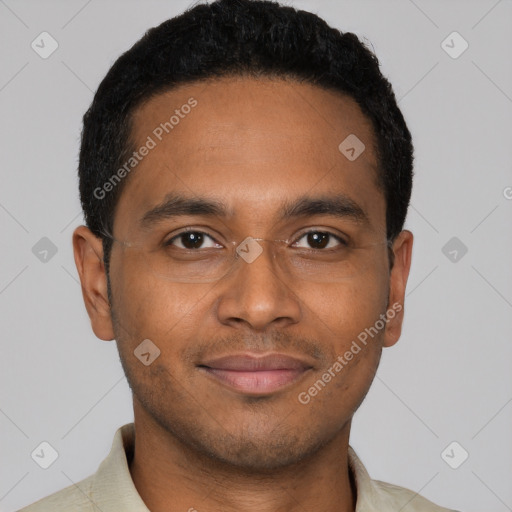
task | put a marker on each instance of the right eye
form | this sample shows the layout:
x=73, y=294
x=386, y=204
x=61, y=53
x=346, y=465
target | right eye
x=191, y=240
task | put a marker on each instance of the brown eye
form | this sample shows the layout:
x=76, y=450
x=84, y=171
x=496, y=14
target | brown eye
x=191, y=240
x=318, y=240
x=322, y=240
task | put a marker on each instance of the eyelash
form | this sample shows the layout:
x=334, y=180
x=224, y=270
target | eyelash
x=341, y=241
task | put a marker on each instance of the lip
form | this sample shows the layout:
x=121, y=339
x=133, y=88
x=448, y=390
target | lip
x=256, y=374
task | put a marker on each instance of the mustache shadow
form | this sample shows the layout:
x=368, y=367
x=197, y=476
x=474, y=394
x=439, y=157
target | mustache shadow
x=275, y=341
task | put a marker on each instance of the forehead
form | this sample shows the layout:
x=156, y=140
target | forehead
x=253, y=145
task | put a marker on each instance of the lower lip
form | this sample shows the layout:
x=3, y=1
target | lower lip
x=257, y=382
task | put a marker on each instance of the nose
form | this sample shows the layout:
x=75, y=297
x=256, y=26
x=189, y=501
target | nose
x=255, y=293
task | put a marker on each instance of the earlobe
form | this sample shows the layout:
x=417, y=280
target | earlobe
x=402, y=255
x=88, y=252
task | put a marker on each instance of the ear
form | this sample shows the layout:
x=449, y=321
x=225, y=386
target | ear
x=402, y=254
x=88, y=251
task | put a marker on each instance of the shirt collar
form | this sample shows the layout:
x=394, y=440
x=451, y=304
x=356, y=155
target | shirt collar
x=113, y=484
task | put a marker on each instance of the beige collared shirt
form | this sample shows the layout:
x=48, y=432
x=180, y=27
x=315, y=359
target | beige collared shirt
x=111, y=488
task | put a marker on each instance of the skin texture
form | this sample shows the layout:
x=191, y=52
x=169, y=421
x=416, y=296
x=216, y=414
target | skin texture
x=252, y=145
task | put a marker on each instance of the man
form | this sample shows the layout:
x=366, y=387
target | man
x=245, y=174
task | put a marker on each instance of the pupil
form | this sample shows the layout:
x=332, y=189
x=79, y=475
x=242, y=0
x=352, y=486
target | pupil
x=192, y=240
x=318, y=240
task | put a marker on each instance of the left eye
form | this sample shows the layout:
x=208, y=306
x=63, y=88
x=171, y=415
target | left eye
x=321, y=240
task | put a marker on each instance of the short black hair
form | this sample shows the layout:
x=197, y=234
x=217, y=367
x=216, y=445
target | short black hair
x=245, y=38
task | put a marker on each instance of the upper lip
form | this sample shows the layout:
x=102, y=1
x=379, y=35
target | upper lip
x=253, y=362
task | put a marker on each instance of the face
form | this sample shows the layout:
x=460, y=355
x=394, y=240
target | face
x=241, y=375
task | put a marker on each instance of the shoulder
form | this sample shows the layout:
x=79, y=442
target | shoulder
x=405, y=499
x=110, y=489
x=378, y=496
x=76, y=497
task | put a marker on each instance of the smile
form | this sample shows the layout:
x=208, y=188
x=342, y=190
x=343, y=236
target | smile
x=256, y=375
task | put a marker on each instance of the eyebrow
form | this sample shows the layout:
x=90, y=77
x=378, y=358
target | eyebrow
x=175, y=205
x=340, y=206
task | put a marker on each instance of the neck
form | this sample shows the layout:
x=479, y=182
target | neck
x=170, y=476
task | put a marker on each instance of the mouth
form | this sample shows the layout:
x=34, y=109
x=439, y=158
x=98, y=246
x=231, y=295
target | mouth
x=253, y=374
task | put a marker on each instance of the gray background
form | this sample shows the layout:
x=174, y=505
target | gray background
x=448, y=379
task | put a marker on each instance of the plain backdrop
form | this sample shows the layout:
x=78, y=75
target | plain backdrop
x=449, y=378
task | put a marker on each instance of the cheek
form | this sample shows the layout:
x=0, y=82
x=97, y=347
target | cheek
x=344, y=315
x=149, y=306
x=349, y=326
x=346, y=308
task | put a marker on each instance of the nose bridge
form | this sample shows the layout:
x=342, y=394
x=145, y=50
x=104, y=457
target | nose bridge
x=256, y=292
x=256, y=260
x=263, y=258
x=252, y=249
